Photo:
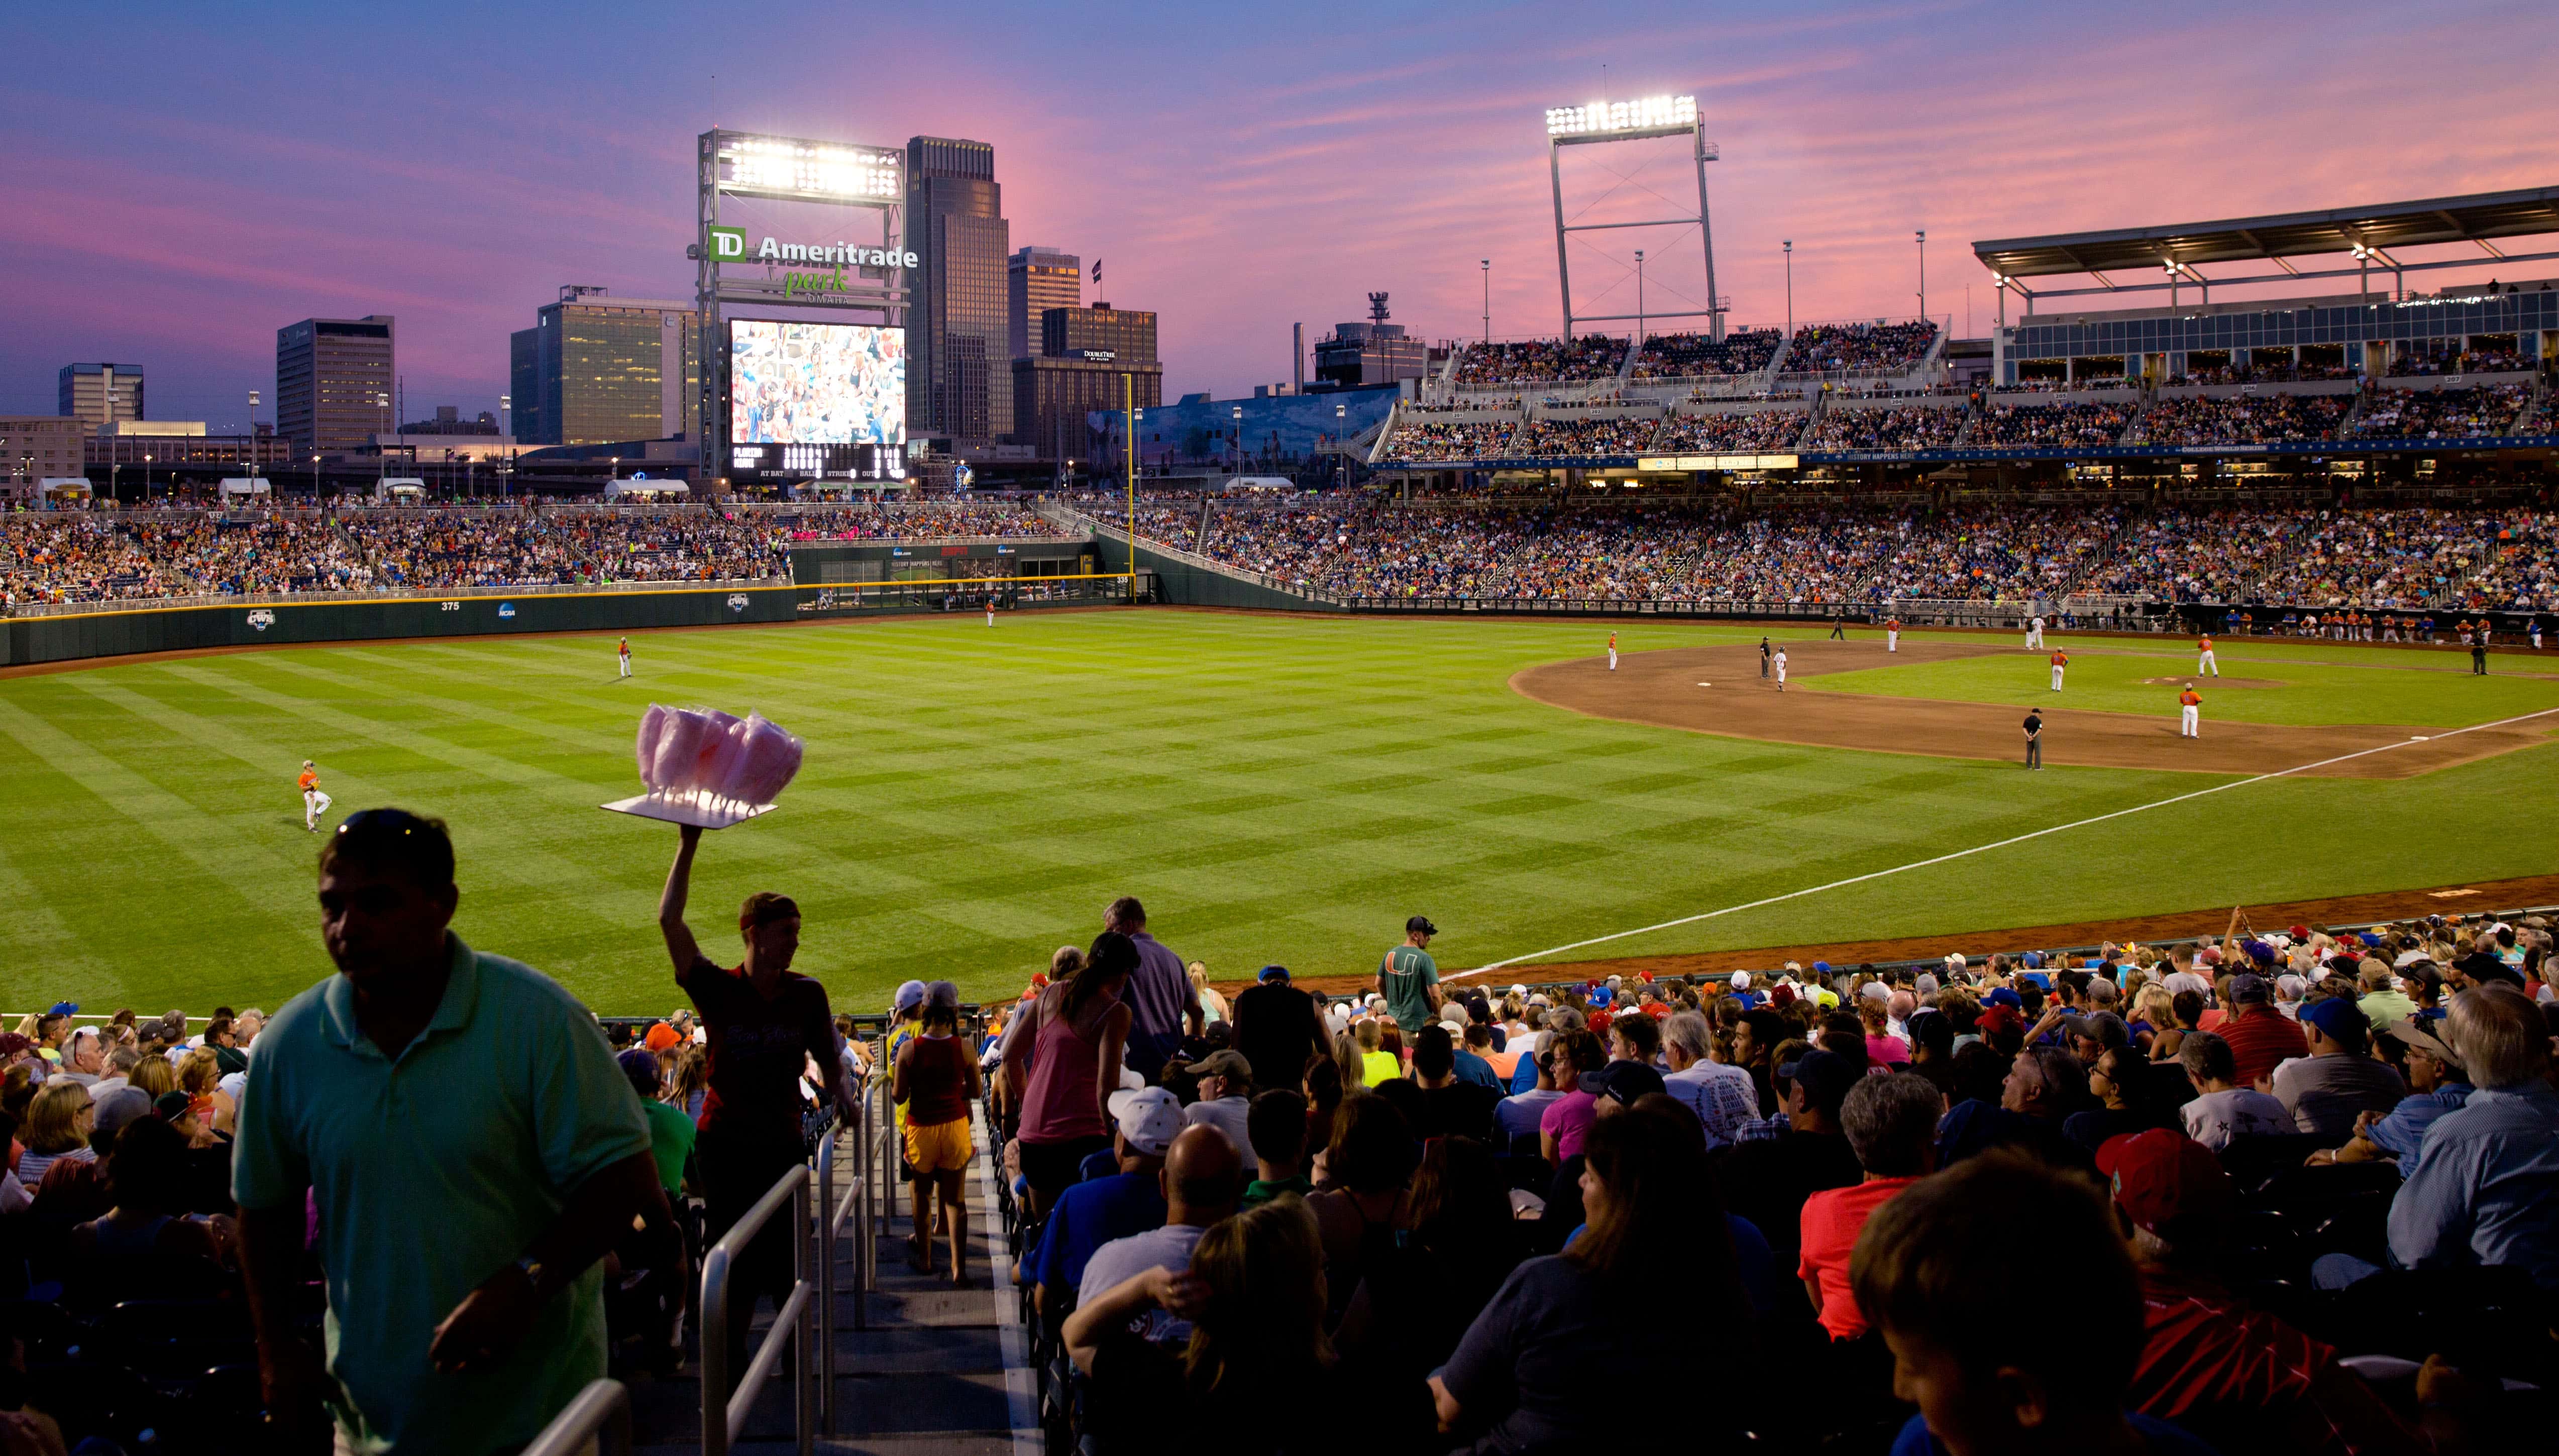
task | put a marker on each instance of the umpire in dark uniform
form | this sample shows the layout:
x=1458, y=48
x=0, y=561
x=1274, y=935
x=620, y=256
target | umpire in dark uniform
x=2033, y=739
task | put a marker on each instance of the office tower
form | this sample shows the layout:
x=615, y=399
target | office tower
x=597, y=371
x=1097, y=358
x=1036, y=280
x=958, y=342
x=100, y=393
x=333, y=383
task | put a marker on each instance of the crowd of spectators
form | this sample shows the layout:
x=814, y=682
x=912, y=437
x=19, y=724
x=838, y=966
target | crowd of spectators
x=2454, y=357
x=2045, y=426
x=1590, y=435
x=1862, y=349
x=1737, y=432
x=2245, y=419
x=88, y=556
x=2392, y=558
x=2257, y=1163
x=2427, y=414
x=1473, y=439
x=1564, y=360
x=1469, y=402
x=1905, y=427
x=1693, y=354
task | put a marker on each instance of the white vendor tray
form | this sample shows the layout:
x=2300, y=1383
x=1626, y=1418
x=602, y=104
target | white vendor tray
x=701, y=814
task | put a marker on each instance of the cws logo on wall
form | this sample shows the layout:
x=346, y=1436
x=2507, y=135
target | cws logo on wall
x=729, y=245
x=737, y=601
x=261, y=619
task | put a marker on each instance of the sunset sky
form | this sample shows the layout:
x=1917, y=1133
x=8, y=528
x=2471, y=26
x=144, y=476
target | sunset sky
x=182, y=179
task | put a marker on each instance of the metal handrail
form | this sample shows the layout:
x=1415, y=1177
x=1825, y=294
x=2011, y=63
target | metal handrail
x=855, y=1203
x=725, y=1413
x=601, y=1411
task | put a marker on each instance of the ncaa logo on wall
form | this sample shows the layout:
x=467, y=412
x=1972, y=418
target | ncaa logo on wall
x=261, y=619
x=505, y=608
x=737, y=601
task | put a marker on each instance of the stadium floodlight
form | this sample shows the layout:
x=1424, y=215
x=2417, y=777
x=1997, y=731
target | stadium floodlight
x=1673, y=112
x=788, y=167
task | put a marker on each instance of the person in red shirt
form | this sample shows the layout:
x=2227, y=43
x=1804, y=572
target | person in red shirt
x=2205, y=662
x=2260, y=1037
x=2189, y=711
x=1893, y=634
x=2219, y=1369
x=935, y=1077
x=2061, y=660
x=1891, y=1127
x=765, y=1023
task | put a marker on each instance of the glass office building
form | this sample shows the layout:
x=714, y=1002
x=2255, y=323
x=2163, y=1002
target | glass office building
x=959, y=340
x=596, y=370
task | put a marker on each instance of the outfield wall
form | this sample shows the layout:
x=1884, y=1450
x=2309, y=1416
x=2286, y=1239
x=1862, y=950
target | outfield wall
x=113, y=631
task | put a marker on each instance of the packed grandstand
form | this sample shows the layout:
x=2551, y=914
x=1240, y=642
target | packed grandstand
x=2297, y=1180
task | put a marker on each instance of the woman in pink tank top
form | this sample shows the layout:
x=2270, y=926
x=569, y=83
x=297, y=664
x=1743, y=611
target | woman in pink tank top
x=1062, y=1068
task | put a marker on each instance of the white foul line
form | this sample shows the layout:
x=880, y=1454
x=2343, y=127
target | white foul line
x=1995, y=844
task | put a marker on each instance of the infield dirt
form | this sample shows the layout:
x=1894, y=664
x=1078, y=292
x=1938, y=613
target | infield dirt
x=1719, y=690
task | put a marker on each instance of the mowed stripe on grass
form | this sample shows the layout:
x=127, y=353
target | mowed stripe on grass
x=1278, y=790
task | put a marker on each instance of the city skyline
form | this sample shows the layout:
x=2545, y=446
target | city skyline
x=188, y=184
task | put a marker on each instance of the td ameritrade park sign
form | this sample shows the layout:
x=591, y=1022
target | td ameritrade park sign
x=729, y=245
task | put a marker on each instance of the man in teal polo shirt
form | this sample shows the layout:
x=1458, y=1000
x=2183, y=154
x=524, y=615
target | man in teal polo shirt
x=472, y=1150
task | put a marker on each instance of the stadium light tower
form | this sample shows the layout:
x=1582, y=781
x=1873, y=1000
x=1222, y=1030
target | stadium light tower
x=1626, y=121
x=1789, y=247
x=1488, y=300
x=1923, y=275
x=1639, y=298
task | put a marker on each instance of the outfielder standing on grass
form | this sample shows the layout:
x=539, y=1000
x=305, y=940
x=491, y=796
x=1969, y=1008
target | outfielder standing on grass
x=2033, y=739
x=2061, y=660
x=314, y=803
x=2205, y=662
x=1893, y=634
x=2189, y=713
x=765, y=1022
x=1612, y=651
x=624, y=654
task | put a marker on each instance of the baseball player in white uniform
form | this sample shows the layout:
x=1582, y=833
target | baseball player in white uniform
x=2033, y=632
x=2061, y=660
x=1612, y=651
x=625, y=655
x=1781, y=669
x=2205, y=662
x=2190, y=712
x=1893, y=634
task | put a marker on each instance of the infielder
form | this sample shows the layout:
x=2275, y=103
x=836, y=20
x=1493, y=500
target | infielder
x=314, y=803
x=2033, y=632
x=1781, y=669
x=1893, y=634
x=1612, y=651
x=2061, y=660
x=624, y=656
x=2205, y=662
x=2189, y=713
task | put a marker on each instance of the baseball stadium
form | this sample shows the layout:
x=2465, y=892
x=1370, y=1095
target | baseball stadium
x=1999, y=873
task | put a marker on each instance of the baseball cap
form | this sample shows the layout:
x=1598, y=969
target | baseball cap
x=1999, y=1017
x=660, y=1038
x=1519, y=988
x=1623, y=1081
x=2104, y=1028
x=65, y=1008
x=1148, y=1118
x=11, y=1044
x=909, y=996
x=1420, y=924
x=2258, y=951
x=2167, y=1182
x=1270, y=974
x=2003, y=996
x=1741, y=981
x=2249, y=990
x=2411, y=1034
x=1221, y=1064
x=2336, y=1017
x=1822, y=966
x=121, y=1106
x=1825, y=1077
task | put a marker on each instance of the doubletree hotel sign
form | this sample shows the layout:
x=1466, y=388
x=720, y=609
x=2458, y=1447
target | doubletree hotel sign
x=731, y=245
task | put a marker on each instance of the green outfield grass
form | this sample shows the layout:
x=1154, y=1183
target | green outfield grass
x=2321, y=685
x=1275, y=788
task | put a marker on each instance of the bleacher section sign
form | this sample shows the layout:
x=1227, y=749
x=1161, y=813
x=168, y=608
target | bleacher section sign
x=1669, y=462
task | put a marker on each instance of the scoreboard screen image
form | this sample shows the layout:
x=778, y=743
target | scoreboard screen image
x=816, y=383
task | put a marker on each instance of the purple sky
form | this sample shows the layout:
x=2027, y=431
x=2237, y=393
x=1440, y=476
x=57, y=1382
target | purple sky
x=180, y=180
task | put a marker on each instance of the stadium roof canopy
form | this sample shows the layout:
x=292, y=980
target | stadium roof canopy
x=2170, y=253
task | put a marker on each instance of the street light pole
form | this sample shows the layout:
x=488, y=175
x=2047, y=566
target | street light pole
x=1924, y=274
x=248, y=445
x=1789, y=247
x=1639, y=301
x=1488, y=300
